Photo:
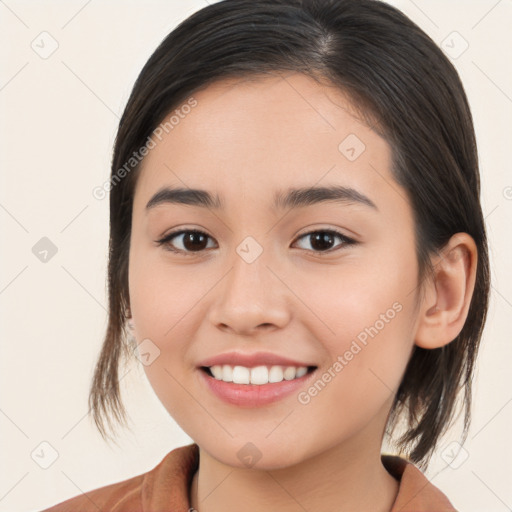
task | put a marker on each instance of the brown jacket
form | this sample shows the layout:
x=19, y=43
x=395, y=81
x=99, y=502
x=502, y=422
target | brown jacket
x=166, y=488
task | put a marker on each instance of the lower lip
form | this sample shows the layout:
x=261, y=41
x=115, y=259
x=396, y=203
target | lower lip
x=252, y=395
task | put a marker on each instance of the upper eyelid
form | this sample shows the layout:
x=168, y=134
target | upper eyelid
x=194, y=230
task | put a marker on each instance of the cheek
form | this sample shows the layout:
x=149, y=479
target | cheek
x=161, y=297
x=162, y=305
x=366, y=325
x=358, y=296
x=367, y=355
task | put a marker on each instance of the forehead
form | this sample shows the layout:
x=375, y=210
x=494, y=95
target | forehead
x=251, y=136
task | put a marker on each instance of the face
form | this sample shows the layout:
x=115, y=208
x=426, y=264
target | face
x=327, y=282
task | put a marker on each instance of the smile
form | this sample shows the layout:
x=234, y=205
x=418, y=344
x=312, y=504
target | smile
x=258, y=375
x=254, y=386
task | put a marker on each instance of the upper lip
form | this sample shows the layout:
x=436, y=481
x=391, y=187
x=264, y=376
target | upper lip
x=251, y=360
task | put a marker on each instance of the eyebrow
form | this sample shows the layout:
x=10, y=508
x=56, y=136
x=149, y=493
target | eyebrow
x=291, y=198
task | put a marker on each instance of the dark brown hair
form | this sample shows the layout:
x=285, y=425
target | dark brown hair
x=397, y=76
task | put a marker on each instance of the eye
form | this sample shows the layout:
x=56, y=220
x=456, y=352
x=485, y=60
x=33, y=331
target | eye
x=321, y=241
x=194, y=241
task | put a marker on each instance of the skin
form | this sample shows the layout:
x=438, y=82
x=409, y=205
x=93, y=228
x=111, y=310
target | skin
x=244, y=140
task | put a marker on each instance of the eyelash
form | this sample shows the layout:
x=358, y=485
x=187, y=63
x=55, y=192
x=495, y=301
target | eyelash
x=165, y=241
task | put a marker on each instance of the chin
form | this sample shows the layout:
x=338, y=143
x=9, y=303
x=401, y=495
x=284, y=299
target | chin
x=262, y=455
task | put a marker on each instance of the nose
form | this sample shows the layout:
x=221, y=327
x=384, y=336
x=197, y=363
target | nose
x=250, y=298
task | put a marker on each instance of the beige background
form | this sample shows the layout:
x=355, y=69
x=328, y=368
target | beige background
x=58, y=123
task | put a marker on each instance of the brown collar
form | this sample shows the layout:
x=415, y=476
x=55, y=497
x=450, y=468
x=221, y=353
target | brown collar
x=168, y=484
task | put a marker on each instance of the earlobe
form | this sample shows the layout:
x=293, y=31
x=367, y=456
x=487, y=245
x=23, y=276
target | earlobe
x=129, y=320
x=127, y=314
x=448, y=293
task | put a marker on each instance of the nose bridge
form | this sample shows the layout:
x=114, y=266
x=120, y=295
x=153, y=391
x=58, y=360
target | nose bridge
x=249, y=275
x=250, y=294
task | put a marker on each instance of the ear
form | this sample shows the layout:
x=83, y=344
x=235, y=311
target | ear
x=447, y=296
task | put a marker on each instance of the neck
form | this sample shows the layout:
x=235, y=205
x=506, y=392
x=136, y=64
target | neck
x=340, y=480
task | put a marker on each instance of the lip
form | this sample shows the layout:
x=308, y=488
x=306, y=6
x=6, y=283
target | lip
x=252, y=395
x=252, y=360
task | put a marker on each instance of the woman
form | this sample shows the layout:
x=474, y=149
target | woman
x=299, y=254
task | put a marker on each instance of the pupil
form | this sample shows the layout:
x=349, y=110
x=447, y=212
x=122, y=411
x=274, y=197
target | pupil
x=190, y=241
x=322, y=241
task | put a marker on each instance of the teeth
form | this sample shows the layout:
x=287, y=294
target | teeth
x=217, y=371
x=258, y=375
x=301, y=371
x=275, y=374
x=241, y=375
x=227, y=373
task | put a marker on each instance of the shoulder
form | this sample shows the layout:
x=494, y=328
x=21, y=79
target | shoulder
x=416, y=493
x=165, y=484
x=117, y=497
